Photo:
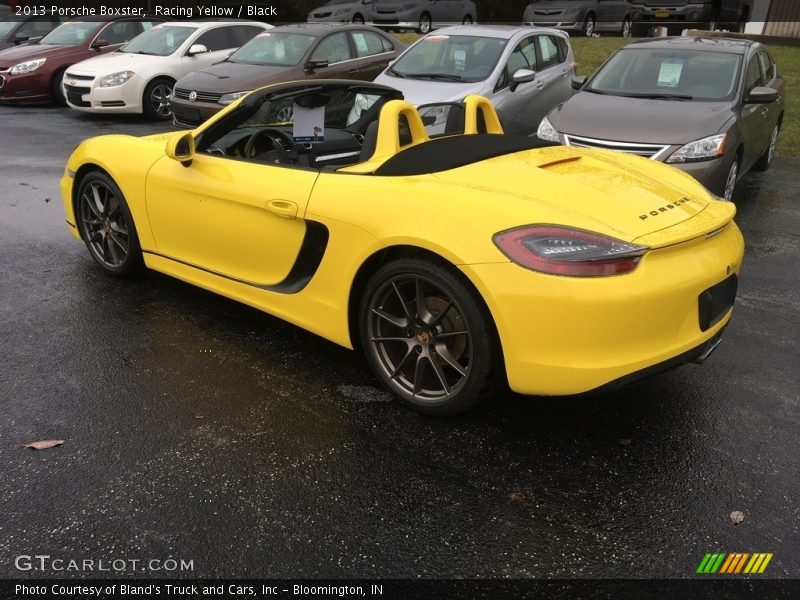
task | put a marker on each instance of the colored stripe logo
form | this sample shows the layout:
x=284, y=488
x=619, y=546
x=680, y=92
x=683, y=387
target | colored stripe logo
x=734, y=563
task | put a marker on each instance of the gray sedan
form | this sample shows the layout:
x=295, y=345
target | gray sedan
x=342, y=11
x=524, y=71
x=712, y=107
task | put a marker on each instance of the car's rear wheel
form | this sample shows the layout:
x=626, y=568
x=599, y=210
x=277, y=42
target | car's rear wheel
x=626, y=28
x=106, y=225
x=155, y=100
x=428, y=337
x=467, y=20
x=730, y=180
x=425, y=24
x=358, y=19
x=589, y=26
x=56, y=90
x=765, y=162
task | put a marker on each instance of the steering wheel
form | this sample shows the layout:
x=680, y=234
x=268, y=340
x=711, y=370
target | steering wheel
x=278, y=154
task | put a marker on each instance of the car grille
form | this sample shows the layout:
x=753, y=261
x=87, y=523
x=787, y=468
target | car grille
x=653, y=151
x=2, y=82
x=184, y=121
x=201, y=96
x=75, y=93
x=79, y=77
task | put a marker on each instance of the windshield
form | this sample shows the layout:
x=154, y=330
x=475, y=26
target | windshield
x=464, y=58
x=274, y=49
x=162, y=40
x=71, y=33
x=8, y=23
x=668, y=73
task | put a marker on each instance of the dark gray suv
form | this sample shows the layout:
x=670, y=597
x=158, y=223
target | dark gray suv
x=712, y=107
x=586, y=17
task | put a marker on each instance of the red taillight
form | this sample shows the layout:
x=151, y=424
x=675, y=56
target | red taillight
x=566, y=251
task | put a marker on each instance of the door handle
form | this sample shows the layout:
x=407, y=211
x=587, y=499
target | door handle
x=284, y=209
x=353, y=71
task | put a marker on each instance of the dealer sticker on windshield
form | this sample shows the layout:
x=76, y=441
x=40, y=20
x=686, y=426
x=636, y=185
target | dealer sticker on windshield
x=670, y=74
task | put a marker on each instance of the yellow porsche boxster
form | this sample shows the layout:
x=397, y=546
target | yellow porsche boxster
x=456, y=257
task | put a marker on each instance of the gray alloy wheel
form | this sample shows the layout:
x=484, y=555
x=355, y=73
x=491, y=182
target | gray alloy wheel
x=425, y=24
x=155, y=102
x=358, y=19
x=588, y=26
x=627, y=26
x=427, y=338
x=730, y=182
x=106, y=225
x=765, y=162
x=467, y=20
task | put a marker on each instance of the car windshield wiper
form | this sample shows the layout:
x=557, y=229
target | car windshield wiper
x=445, y=76
x=594, y=91
x=657, y=96
x=140, y=52
x=397, y=74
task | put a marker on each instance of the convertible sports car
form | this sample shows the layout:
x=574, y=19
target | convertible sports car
x=454, y=261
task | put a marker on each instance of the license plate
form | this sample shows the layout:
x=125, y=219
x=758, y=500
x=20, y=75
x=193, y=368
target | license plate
x=192, y=114
x=662, y=14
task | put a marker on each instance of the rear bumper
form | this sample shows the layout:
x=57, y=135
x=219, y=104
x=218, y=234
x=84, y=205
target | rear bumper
x=699, y=12
x=568, y=335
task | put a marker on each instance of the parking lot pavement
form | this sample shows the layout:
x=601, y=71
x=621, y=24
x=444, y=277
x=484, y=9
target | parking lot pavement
x=200, y=429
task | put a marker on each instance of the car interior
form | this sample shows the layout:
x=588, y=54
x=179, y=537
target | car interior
x=345, y=128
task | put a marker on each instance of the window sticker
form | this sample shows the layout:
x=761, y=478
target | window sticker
x=309, y=124
x=670, y=74
x=460, y=59
x=361, y=43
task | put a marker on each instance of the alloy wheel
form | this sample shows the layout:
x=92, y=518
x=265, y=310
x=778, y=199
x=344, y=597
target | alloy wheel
x=467, y=20
x=730, y=183
x=588, y=27
x=425, y=24
x=159, y=99
x=419, y=337
x=626, y=28
x=104, y=225
x=773, y=144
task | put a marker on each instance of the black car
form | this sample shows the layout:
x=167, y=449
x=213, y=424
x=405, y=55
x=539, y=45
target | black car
x=25, y=29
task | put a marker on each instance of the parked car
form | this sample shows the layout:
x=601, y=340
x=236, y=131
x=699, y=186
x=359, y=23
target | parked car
x=300, y=51
x=32, y=73
x=422, y=15
x=586, y=17
x=139, y=77
x=26, y=29
x=524, y=71
x=711, y=107
x=677, y=15
x=455, y=263
x=342, y=11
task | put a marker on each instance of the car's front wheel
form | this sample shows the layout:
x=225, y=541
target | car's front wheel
x=730, y=180
x=57, y=89
x=765, y=162
x=425, y=24
x=589, y=26
x=627, y=27
x=467, y=20
x=358, y=19
x=106, y=225
x=155, y=100
x=428, y=337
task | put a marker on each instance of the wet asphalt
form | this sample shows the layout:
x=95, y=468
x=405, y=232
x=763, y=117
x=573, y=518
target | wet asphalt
x=199, y=429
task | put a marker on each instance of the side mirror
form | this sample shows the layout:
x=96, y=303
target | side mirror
x=101, y=43
x=521, y=76
x=196, y=49
x=181, y=148
x=579, y=81
x=313, y=65
x=18, y=39
x=762, y=95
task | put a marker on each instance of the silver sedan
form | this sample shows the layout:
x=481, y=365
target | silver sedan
x=524, y=71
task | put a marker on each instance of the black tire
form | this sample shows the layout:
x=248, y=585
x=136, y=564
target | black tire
x=358, y=19
x=55, y=88
x=589, y=26
x=467, y=20
x=106, y=225
x=441, y=356
x=155, y=100
x=425, y=24
x=765, y=161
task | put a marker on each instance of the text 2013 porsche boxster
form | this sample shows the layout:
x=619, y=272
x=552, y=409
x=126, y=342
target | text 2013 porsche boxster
x=454, y=261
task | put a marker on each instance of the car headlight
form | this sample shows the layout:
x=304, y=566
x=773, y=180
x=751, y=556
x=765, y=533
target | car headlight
x=28, y=66
x=232, y=97
x=547, y=132
x=115, y=79
x=704, y=149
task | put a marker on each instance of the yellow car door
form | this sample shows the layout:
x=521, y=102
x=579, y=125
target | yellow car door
x=235, y=218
